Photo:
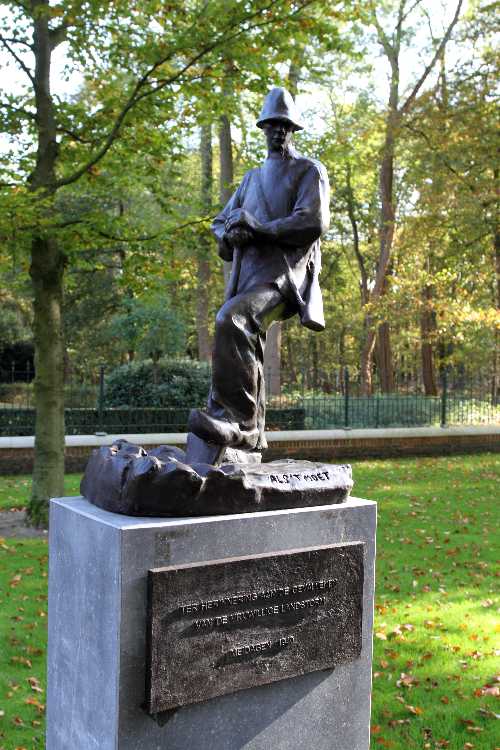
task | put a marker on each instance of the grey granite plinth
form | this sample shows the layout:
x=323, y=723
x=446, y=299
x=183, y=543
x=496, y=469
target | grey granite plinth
x=97, y=631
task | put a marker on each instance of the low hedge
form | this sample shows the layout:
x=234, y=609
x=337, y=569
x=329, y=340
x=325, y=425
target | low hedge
x=21, y=422
x=157, y=385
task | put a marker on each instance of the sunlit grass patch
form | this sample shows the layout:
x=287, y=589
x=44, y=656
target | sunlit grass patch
x=15, y=490
x=436, y=643
x=23, y=634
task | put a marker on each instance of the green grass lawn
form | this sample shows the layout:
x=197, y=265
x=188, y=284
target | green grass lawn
x=15, y=490
x=436, y=632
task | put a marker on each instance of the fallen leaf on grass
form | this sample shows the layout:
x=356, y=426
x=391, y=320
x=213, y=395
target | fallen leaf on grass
x=407, y=680
x=488, y=714
x=476, y=655
x=21, y=660
x=385, y=743
x=34, y=702
x=415, y=710
x=35, y=685
x=471, y=726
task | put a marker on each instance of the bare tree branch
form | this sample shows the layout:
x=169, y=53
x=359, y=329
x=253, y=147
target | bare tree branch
x=13, y=40
x=399, y=28
x=74, y=136
x=148, y=237
x=19, y=61
x=409, y=101
x=382, y=36
x=410, y=11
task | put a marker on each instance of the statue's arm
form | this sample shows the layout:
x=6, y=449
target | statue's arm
x=310, y=217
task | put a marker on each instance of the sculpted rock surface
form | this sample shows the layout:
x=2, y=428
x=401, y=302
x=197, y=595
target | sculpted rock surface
x=124, y=478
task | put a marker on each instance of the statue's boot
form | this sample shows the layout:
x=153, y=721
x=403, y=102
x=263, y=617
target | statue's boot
x=221, y=431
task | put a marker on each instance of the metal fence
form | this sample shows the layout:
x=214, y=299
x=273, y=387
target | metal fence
x=334, y=401
x=337, y=400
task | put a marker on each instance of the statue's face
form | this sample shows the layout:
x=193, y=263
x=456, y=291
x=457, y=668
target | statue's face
x=278, y=135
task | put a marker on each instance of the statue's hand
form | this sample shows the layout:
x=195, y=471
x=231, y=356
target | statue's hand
x=238, y=236
x=242, y=218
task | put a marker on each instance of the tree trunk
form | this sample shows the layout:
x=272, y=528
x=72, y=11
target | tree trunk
x=386, y=230
x=226, y=174
x=495, y=382
x=203, y=285
x=48, y=474
x=294, y=72
x=290, y=361
x=272, y=360
x=47, y=270
x=365, y=365
x=427, y=329
x=384, y=358
x=314, y=361
x=428, y=373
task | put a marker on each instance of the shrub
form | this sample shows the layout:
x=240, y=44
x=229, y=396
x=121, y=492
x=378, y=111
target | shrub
x=168, y=382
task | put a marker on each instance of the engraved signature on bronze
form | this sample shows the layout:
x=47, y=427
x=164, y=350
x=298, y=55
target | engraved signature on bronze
x=321, y=476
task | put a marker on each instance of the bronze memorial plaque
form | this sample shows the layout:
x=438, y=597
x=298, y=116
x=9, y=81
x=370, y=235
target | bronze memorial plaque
x=218, y=627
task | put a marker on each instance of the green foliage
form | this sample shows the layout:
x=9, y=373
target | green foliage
x=151, y=328
x=149, y=384
x=12, y=329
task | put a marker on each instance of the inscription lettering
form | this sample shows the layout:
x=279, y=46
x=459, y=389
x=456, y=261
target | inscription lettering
x=321, y=476
x=280, y=592
x=251, y=614
x=256, y=648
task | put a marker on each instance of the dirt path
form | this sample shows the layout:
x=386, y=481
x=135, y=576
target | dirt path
x=12, y=523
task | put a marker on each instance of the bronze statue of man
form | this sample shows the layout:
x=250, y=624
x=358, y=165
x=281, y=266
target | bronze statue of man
x=270, y=229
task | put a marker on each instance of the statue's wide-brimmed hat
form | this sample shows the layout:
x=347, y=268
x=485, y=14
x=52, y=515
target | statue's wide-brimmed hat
x=279, y=105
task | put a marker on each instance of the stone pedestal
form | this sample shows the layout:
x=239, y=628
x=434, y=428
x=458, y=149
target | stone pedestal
x=97, y=634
